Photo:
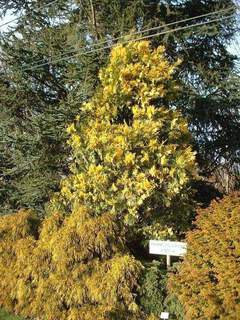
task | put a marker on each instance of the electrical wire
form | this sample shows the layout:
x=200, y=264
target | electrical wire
x=39, y=9
x=34, y=67
x=140, y=32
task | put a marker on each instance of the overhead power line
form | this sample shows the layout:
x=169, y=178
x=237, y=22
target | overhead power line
x=36, y=66
x=53, y=2
x=39, y=9
x=140, y=32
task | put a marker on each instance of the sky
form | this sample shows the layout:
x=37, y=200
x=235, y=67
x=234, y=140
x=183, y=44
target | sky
x=6, y=19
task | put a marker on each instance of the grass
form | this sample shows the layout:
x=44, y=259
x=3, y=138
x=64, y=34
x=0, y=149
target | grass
x=6, y=316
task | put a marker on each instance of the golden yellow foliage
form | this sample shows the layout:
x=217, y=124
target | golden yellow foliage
x=78, y=267
x=130, y=151
x=16, y=232
x=208, y=281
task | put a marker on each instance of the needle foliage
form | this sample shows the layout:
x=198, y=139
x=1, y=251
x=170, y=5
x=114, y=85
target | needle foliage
x=208, y=281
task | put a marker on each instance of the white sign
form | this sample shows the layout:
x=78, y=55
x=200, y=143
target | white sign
x=164, y=315
x=169, y=248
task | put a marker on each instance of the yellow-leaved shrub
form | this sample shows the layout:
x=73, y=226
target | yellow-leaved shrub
x=132, y=155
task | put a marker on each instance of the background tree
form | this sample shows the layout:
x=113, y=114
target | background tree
x=207, y=283
x=38, y=102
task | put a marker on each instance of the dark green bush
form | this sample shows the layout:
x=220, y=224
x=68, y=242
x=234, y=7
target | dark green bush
x=154, y=297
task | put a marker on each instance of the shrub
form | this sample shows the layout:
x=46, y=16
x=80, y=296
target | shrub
x=15, y=230
x=132, y=155
x=154, y=296
x=208, y=281
x=153, y=288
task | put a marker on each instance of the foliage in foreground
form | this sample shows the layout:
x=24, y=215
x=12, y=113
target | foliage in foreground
x=78, y=268
x=208, y=282
x=132, y=167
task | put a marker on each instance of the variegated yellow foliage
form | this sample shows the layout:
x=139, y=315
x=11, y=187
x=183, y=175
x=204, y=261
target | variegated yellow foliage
x=132, y=155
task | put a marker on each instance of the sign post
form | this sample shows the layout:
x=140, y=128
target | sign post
x=168, y=261
x=168, y=248
x=164, y=315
